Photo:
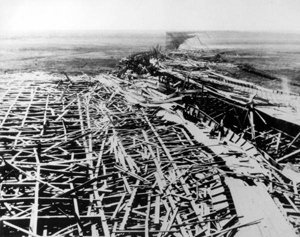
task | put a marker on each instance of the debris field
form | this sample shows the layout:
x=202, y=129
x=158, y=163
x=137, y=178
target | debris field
x=163, y=146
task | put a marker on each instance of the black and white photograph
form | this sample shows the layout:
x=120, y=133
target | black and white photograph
x=139, y=118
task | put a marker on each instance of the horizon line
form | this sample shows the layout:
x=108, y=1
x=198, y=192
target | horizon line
x=149, y=30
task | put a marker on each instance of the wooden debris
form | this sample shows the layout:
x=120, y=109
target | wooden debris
x=96, y=169
x=97, y=158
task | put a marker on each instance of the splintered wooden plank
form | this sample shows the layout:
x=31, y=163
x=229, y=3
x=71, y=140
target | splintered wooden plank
x=126, y=184
x=63, y=230
x=183, y=183
x=61, y=115
x=75, y=207
x=45, y=116
x=86, y=184
x=35, y=207
x=172, y=204
x=100, y=155
x=65, y=109
x=121, y=158
x=165, y=223
x=147, y=219
x=292, y=203
x=128, y=207
x=132, y=165
x=157, y=210
x=118, y=206
x=20, y=211
x=64, y=143
x=278, y=142
x=131, y=174
x=172, y=219
x=114, y=229
x=90, y=136
x=288, y=155
x=37, y=179
x=30, y=233
x=89, y=151
x=141, y=231
x=88, y=154
x=25, y=116
x=103, y=219
x=293, y=141
x=76, y=212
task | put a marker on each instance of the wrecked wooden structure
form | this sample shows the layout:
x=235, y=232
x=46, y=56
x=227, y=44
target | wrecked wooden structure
x=162, y=147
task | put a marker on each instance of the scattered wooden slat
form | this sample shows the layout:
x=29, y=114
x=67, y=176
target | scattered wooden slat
x=128, y=207
x=113, y=168
x=20, y=229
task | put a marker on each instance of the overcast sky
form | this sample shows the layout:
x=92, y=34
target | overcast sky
x=252, y=15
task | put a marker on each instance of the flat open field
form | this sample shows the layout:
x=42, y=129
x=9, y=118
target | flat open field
x=93, y=52
x=72, y=52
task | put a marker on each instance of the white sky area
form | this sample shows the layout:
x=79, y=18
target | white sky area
x=246, y=15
